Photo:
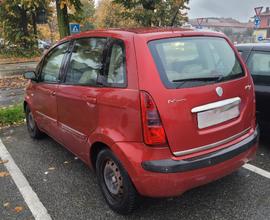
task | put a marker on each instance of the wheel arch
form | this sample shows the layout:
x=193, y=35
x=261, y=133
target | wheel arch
x=25, y=103
x=95, y=148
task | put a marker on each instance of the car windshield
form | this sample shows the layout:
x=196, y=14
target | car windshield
x=196, y=60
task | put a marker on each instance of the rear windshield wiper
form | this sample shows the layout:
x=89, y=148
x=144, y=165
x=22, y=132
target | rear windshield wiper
x=216, y=78
x=205, y=79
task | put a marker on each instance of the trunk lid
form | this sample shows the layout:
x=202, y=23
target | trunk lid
x=181, y=124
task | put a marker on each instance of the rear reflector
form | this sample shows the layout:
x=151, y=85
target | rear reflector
x=153, y=130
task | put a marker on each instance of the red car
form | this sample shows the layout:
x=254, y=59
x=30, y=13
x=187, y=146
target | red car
x=154, y=112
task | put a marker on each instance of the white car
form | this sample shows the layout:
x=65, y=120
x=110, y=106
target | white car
x=43, y=45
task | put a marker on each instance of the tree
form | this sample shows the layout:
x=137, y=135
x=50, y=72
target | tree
x=62, y=14
x=85, y=16
x=155, y=12
x=18, y=21
x=110, y=15
x=62, y=18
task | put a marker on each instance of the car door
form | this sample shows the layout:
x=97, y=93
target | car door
x=44, y=97
x=77, y=94
x=259, y=66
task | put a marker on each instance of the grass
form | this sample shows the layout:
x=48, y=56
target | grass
x=11, y=115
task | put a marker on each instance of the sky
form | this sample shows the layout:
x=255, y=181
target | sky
x=241, y=10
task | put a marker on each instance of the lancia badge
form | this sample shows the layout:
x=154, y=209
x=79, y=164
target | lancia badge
x=219, y=91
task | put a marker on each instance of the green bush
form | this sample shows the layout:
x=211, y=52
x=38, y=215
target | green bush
x=11, y=115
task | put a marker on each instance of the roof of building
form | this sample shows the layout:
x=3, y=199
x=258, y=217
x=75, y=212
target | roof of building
x=266, y=12
x=222, y=22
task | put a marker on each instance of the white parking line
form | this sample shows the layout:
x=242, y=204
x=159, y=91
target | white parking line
x=257, y=170
x=38, y=210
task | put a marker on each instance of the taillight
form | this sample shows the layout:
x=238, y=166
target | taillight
x=153, y=130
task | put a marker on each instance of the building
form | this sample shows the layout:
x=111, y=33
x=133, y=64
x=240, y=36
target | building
x=235, y=30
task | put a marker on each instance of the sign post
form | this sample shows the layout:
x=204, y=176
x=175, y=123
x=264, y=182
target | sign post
x=74, y=28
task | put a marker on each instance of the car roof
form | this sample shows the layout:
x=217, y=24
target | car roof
x=254, y=46
x=144, y=32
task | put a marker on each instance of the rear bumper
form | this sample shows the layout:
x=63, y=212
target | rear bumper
x=156, y=173
x=174, y=166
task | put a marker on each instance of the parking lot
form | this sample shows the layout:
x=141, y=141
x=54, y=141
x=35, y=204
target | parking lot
x=68, y=189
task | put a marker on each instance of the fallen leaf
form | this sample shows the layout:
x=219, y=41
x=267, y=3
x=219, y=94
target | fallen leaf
x=46, y=172
x=3, y=161
x=3, y=174
x=51, y=168
x=75, y=158
x=6, y=204
x=66, y=162
x=18, y=209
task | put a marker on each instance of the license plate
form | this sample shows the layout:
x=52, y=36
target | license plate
x=218, y=115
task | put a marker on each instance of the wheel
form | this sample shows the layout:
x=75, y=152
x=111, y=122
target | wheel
x=115, y=184
x=32, y=127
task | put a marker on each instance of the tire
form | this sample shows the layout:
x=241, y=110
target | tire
x=123, y=197
x=32, y=127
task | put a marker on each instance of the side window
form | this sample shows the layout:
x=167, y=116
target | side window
x=86, y=61
x=259, y=63
x=52, y=64
x=115, y=70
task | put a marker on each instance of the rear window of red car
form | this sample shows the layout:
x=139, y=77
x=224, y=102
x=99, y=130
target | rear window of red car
x=195, y=61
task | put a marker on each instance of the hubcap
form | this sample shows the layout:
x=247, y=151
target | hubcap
x=31, y=121
x=113, y=178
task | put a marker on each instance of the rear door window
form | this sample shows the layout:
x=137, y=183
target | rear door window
x=86, y=61
x=194, y=61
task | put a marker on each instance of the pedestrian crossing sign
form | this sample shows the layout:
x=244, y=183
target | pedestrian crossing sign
x=74, y=28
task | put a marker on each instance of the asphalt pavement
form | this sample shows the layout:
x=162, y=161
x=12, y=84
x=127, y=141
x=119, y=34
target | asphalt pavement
x=11, y=96
x=68, y=188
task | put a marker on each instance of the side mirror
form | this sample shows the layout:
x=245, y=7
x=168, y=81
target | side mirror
x=30, y=75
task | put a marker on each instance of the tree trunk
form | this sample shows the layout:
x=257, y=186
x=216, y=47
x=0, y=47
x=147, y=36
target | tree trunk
x=34, y=20
x=175, y=15
x=62, y=18
x=23, y=25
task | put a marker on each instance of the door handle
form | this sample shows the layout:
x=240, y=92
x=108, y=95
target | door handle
x=53, y=93
x=90, y=99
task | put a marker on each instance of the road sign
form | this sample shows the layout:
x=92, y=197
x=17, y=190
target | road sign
x=257, y=22
x=199, y=21
x=74, y=28
x=260, y=38
x=258, y=11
